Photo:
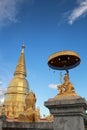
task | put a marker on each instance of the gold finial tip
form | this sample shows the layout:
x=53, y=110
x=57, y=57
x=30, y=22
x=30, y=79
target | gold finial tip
x=23, y=46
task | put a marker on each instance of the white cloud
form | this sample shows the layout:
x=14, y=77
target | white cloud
x=53, y=86
x=8, y=11
x=78, y=12
x=2, y=92
x=0, y=82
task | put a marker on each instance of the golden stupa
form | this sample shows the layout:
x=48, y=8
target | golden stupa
x=17, y=90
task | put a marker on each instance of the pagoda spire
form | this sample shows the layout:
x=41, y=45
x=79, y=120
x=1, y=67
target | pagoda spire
x=20, y=70
x=17, y=90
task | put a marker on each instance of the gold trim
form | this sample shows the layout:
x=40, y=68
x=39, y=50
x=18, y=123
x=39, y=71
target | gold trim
x=64, y=52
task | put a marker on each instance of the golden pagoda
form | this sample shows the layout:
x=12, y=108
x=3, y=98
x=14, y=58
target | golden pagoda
x=17, y=90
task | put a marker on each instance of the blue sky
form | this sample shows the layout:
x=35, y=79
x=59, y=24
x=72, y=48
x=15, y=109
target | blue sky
x=45, y=27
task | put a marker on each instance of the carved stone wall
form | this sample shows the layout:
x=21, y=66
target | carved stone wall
x=27, y=126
